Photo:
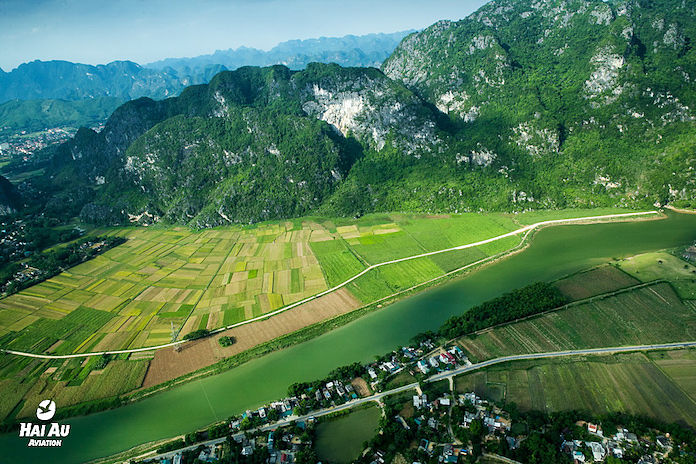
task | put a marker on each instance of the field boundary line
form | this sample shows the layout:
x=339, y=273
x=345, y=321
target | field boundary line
x=523, y=230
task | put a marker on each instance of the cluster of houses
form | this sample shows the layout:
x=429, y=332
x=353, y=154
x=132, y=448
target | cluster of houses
x=209, y=453
x=26, y=145
x=378, y=371
x=333, y=390
x=282, y=445
x=268, y=413
x=433, y=415
x=493, y=418
x=690, y=253
x=448, y=453
x=425, y=359
x=448, y=358
x=13, y=241
x=616, y=445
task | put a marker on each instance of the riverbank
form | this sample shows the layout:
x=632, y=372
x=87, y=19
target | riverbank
x=680, y=210
x=554, y=252
x=196, y=366
x=308, y=332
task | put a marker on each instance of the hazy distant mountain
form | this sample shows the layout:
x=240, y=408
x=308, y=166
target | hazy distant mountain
x=127, y=80
x=351, y=50
x=74, y=81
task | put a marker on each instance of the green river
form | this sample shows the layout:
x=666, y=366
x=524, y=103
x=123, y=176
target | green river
x=554, y=252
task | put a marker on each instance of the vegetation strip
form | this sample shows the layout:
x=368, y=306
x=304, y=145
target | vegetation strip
x=524, y=229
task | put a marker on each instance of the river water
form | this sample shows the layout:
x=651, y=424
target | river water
x=554, y=252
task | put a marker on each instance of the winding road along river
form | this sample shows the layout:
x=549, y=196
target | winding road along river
x=554, y=252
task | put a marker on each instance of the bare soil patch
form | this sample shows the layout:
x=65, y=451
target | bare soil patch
x=361, y=387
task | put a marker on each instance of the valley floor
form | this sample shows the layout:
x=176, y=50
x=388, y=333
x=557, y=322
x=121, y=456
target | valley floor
x=132, y=295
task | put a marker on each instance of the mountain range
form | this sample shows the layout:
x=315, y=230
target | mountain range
x=43, y=94
x=127, y=80
x=524, y=104
x=362, y=51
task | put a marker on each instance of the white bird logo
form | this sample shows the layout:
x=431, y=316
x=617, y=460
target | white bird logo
x=46, y=410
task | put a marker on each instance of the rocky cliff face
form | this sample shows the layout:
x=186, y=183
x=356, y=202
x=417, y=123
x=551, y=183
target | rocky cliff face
x=580, y=84
x=9, y=198
x=254, y=144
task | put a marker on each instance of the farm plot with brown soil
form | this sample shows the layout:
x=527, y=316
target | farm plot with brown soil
x=169, y=364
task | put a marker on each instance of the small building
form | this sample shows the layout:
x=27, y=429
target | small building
x=420, y=401
x=663, y=442
x=615, y=449
x=423, y=366
x=598, y=451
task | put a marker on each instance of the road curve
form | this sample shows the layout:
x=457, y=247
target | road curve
x=337, y=287
x=442, y=376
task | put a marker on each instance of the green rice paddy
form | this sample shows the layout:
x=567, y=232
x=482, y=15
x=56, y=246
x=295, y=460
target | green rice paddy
x=631, y=383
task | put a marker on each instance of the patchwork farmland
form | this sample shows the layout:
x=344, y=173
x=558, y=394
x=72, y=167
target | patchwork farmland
x=132, y=295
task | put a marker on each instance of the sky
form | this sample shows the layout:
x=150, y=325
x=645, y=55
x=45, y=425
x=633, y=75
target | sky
x=101, y=31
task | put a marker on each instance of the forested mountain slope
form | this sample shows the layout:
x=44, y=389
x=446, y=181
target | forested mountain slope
x=525, y=104
x=573, y=100
x=254, y=144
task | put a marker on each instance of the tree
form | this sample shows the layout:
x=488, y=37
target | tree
x=227, y=341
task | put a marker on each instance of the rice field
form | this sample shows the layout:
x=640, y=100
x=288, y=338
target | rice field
x=649, y=315
x=173, y=279
x=176, y=279
x=594, y=282
x=631, y=383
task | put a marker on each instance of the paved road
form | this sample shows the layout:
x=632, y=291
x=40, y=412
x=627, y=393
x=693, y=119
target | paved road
x=442, y=376
x=343, y=284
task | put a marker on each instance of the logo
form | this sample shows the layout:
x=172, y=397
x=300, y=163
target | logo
x=44, y=435
x=46, y=410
